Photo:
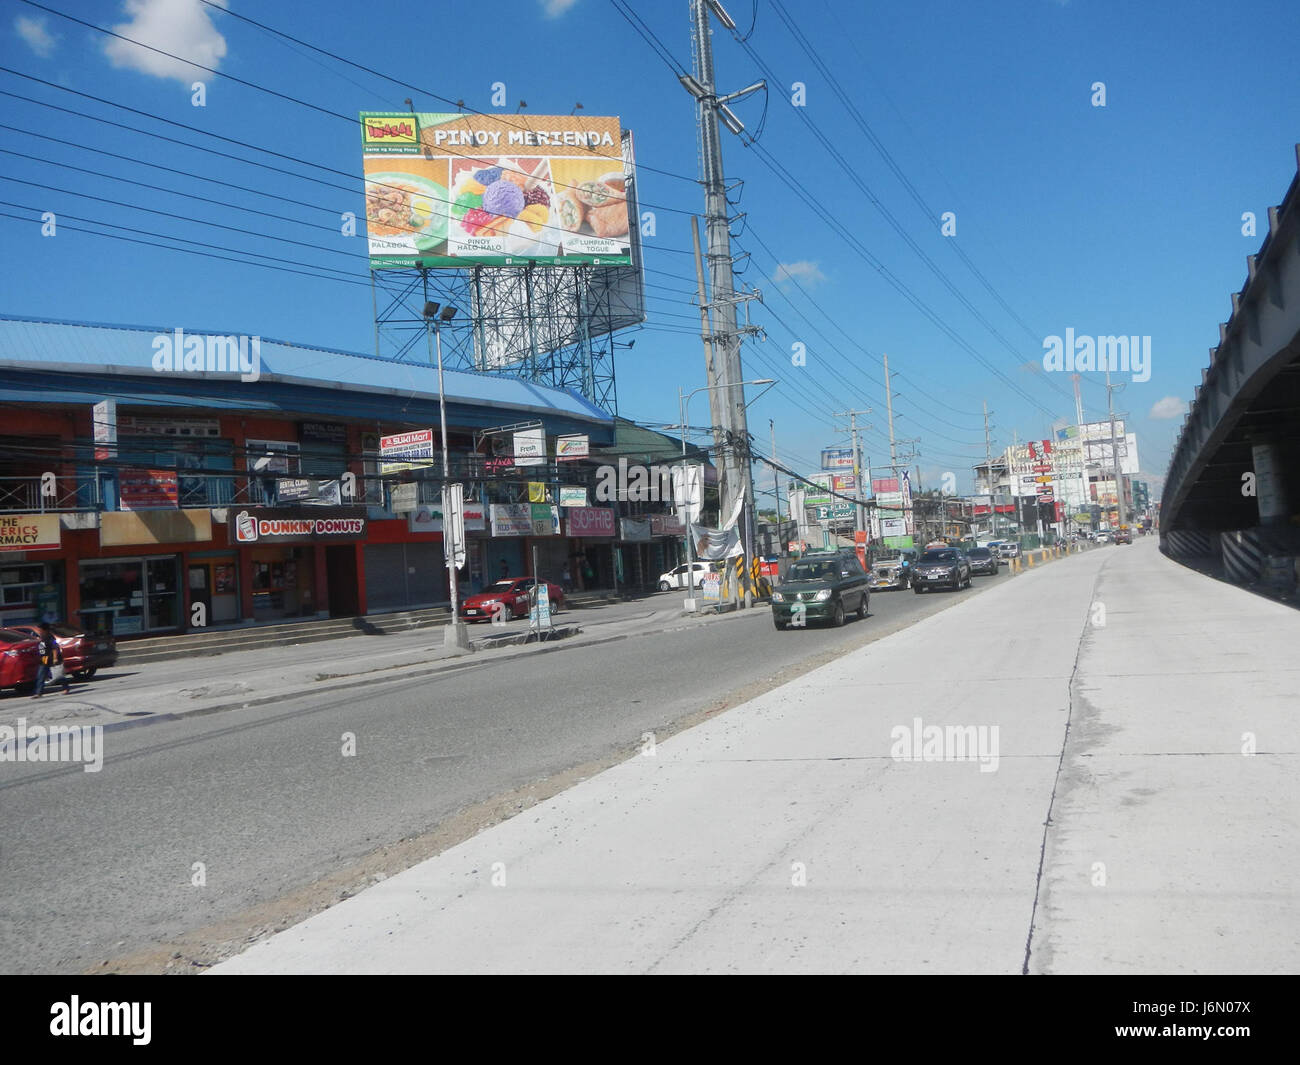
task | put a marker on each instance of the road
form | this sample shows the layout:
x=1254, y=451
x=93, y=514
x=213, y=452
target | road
x=202, y=832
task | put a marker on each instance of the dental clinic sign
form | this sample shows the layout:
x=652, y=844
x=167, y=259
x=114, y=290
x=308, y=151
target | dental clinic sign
x=292, y=525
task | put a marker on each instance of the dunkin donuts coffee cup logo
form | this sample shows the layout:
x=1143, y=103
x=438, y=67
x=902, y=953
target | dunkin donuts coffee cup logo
x=245, y=527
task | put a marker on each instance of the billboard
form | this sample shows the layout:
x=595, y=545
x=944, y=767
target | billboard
x=458, y=190
x=815, y=498
x=521, y=313
x=837, y=458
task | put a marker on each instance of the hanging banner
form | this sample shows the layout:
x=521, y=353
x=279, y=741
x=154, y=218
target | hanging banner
x=569, y=448
x=148, y=490
x=536, y=492
x=634, y=531
x=666, y=525
x=397, y=452
x=429, y=519
x=104, y=415
x=714, y=545
x=530, y=447
x=688, y=491
x=512, y=519
x=453, y=537
x=545, y=519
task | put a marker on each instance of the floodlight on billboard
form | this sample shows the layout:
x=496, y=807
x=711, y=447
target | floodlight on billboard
x=457, y=190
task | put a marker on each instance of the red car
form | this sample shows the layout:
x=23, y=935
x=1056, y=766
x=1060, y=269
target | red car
x=83, y=654
x=512, y=595
x=20, y=657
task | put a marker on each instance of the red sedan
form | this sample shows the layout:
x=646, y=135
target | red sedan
x=82, y=653
x=20, y=657
x=507, y=599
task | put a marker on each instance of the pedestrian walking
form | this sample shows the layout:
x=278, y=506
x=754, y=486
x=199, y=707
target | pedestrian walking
x=566, y=579
x=51, y=667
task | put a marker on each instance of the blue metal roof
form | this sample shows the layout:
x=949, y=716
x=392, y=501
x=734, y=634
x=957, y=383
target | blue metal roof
x=292, y=377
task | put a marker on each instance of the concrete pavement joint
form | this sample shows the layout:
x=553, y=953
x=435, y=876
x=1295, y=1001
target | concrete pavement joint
x=1056, y=779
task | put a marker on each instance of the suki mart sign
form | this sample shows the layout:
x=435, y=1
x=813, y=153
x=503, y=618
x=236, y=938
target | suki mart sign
x=291, y=525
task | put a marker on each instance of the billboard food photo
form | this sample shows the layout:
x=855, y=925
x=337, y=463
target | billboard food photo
x=498, y=190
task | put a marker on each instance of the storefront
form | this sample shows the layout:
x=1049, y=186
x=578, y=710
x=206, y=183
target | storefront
x=30, y=591
x=284, y=583
x=212, y=579
x=592, y=531
x=130, y=596
x=287, y=555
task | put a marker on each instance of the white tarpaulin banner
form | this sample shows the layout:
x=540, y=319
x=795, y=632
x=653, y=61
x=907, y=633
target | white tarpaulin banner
x=688, y=489
x=714, y=545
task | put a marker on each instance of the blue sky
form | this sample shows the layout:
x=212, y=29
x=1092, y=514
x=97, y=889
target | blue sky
x=1124, y=219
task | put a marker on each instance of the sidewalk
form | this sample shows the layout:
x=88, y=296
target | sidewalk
x=130, y=695
x=786, y=836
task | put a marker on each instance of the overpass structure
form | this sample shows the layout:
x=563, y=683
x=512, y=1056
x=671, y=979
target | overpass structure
x=1233, y=487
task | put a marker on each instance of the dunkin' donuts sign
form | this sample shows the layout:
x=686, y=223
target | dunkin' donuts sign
x=297, y=525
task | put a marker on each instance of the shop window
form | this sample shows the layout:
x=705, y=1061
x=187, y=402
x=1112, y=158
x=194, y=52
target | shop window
x=140, y=594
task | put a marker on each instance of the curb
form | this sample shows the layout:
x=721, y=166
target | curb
x=454, y=663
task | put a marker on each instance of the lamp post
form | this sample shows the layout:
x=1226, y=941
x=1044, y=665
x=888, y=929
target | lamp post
x=683, y=403
x=456, y=634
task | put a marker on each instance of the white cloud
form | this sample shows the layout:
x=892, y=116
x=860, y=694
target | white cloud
x=803, y=270
x=33, y=31
x=556, y=8
x=1169, y=407
x=181, y=27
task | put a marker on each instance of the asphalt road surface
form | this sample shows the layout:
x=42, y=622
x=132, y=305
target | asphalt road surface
x=208, y=821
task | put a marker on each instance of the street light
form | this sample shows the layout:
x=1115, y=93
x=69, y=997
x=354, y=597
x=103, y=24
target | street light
x=457, y=632
x=683, y=403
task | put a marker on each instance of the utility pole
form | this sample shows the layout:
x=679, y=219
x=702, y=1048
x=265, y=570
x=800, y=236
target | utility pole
x=988, y=472
x=1114, y=450
x=852, y=416
x=889, y=407
x=732, y=423
x=776, y=477
x=706, y=334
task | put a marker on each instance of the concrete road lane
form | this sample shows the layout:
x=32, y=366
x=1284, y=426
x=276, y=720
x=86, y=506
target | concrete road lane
x=100, y=866
x=801, y=833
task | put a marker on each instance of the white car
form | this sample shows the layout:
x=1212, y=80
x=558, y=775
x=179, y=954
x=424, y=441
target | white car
x=680, y=578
